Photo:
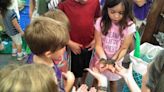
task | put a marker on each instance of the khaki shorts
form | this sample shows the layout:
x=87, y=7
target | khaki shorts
x=17, y=39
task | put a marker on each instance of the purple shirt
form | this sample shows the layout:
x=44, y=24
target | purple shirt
x=142, y=12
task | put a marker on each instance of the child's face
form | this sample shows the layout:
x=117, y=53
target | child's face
x=116, y=13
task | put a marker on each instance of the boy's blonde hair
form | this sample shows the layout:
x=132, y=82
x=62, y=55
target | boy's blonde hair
x=6, y=70
x=45, y=34
x=30, y=78
x=59, y=16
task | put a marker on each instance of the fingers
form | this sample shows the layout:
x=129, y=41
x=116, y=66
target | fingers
x=69, y=75
x=64, y=74
x=83, y=88
x=90, y=71
x=76, y=51
x=74, y=89
x=117, y=67
x=91, y=48
x=92, y=89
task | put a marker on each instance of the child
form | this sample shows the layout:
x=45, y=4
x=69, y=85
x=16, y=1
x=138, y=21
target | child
x=152, y=81
x=12, y=27
x=28, y=78
x=113, y=36
x=82, y=14
x=47, y=39
x=58, y=15
x=141, y=9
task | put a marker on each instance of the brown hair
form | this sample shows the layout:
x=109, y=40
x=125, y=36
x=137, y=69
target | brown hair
x=59, y=16
x=45, y=34
x=156, y=74
x=106, y=22
x=30, y=78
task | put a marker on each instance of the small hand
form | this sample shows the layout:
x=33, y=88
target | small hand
x=82, y=88
x=75, y=47
x=69, y=76
x=95, y=73
x=91, y=45
x=123, y=71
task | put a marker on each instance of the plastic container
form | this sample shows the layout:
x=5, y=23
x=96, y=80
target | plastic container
x=148, y=52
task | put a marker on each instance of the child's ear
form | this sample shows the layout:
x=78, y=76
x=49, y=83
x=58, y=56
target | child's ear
x=48, y=54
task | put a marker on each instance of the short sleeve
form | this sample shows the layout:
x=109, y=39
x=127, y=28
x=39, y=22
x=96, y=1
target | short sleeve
x=97, y=13
x=131, y=29
x=13, y=15
x=97, y=24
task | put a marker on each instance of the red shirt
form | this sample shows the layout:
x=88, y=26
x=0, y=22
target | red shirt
x=82, y=19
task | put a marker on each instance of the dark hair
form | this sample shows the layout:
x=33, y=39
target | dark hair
x=106, y=21
x=45, y=34
x=156, y=74
x=4, y=4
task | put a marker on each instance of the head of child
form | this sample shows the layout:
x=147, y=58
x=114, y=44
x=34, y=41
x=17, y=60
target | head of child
x=156, y=74
x=117, y=12
x=59, y=16
x=4, y=4
x=29, y=78
x=7, y=70
x=47, y=37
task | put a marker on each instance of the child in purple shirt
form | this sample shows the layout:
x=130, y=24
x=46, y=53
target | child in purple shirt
x=47, y=44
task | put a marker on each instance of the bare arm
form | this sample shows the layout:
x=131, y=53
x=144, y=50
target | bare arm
x=32, y=7
x=144, y=88
x=128, y=77
x=124, y=48
x=98, y=45
x=17, y=26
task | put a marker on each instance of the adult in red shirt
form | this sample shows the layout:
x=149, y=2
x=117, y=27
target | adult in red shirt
x=82, y=15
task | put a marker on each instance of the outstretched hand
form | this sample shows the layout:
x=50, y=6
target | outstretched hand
x=95, y=73
x=123, y=71
x=70, y=78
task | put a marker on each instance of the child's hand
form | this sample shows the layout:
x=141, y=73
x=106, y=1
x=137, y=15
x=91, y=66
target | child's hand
x=102, y=67
x=95, y=73
x=82, y=88
x=125, y=73
x=70, y=78
x=102, y=80
x=75, y=47
x=91, y=45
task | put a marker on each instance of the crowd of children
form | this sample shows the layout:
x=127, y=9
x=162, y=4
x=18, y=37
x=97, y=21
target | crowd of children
x=89, y=33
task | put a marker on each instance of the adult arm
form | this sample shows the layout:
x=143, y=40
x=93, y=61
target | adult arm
x=128, y=77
